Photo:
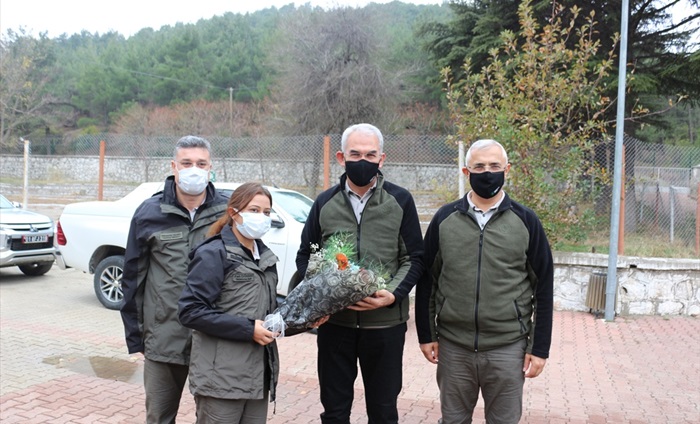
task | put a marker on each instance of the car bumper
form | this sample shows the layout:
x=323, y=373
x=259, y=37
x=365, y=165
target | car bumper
x=12, y=258
x=60, y=260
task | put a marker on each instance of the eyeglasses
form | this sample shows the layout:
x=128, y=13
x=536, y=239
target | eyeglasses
x=479, y=168
x=370, y=156
x=201, y=164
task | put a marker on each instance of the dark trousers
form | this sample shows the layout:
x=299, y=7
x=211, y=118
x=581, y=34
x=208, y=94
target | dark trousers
x=163, y=384
x=380, y=354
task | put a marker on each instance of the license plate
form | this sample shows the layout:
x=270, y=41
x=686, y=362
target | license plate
x=35, y=239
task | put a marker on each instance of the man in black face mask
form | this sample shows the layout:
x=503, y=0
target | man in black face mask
x=484, y=306
x=383, y=219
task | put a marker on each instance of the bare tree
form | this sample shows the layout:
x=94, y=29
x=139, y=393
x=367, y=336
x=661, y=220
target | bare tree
x=329, y=71
x=23, y=76
x=330, y=74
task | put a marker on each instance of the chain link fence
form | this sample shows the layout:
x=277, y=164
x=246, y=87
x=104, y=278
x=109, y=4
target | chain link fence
x=661, y=181
x=402, y=149
x=660, y=207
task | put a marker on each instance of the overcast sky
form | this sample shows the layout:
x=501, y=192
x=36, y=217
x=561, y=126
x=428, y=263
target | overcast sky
x=129, y=16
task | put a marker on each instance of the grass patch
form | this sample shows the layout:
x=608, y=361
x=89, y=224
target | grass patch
x=644, y=245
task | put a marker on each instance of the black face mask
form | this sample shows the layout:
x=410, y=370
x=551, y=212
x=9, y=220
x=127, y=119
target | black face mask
x=487, y=184
x=361, y=172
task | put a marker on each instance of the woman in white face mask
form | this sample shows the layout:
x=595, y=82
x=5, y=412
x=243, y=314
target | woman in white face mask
x=231, y=287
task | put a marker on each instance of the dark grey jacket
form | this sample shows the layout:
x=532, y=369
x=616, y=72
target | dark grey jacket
x=226, y=292
x=155, y=268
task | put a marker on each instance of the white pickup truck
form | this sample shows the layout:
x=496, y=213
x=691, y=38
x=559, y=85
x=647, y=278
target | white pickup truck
x=91, y=236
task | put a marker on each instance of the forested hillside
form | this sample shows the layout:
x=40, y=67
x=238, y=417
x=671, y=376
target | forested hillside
x=286, y=71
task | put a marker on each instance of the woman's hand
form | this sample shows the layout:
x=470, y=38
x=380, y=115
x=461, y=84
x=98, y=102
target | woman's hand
x=262, y=335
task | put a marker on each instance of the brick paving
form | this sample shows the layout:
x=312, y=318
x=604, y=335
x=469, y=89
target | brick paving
x=63, y=360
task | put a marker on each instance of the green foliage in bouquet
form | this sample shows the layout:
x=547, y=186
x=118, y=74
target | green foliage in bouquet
x=337, y=254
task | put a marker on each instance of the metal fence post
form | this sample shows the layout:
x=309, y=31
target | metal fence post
x=25, y=188
x=326, y=162
x=101, y=176
x=672, y=217
x=623, y=192
x=697, y=223
x=460, y=174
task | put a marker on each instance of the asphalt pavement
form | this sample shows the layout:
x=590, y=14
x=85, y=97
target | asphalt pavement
x=63, y=360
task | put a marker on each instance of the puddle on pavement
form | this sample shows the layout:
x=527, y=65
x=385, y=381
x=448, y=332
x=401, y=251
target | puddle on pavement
x=98, y=366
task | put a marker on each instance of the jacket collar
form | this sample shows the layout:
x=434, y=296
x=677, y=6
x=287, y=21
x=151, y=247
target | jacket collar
x=267, y=257
x=463, y=204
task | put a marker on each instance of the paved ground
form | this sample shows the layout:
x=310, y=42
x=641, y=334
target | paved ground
x=63, y=360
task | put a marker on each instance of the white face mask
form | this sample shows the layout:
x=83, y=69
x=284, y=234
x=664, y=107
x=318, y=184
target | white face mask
x=254, y=225
x=193, y=180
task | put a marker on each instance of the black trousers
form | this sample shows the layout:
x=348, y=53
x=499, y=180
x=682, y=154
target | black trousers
x=380, y=356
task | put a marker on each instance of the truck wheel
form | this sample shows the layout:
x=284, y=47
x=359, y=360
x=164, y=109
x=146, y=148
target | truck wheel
x=36, y=269
x=108, y=281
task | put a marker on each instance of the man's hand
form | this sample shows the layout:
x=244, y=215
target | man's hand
x=377, y=300
x=320, y=321
x=533, y=365
x=136, y=357
x=430, y=351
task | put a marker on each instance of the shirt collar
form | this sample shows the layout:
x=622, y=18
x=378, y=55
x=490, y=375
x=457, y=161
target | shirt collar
x=352, y=193
x=492, y=208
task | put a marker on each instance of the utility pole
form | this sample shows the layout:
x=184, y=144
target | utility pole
x=611, y=282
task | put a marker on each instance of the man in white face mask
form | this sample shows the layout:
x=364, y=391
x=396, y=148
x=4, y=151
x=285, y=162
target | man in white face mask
x=163, y=231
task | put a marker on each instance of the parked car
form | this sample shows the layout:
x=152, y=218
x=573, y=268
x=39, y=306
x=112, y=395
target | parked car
x=26, y=239
x=91, y=236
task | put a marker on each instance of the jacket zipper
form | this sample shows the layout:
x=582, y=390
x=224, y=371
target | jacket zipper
x=270, y=352
x=359, y=228
x=478, y=275
x=478, y=292
x=523, y=330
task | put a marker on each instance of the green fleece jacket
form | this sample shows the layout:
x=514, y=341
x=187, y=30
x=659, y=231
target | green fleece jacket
x=388, y=234
x=486, y=288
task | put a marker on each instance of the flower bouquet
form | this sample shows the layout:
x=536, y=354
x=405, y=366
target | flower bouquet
x=332, y=283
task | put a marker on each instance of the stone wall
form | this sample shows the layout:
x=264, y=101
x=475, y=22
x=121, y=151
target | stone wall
x=646, y=286
x=282, y=173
